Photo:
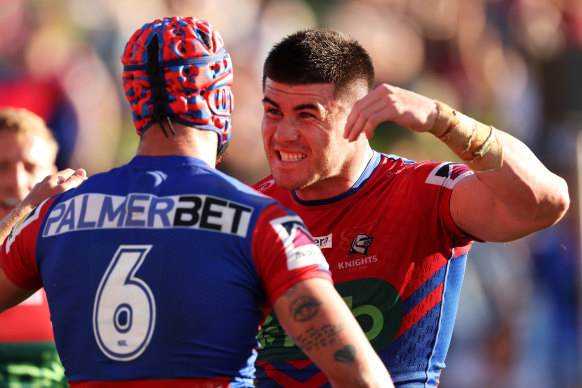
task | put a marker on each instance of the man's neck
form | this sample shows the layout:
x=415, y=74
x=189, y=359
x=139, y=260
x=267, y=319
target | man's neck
x=336, y=185
x=187, y=141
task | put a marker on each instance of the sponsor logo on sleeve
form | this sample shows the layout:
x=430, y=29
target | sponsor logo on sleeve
x=298, y=243
x=448, y=174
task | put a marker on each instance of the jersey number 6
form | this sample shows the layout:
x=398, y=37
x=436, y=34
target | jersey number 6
x=124, y=313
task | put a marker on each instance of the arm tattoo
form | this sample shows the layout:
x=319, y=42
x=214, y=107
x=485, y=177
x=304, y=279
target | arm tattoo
x=347, y=354
x=304, y=308
x=316, y=339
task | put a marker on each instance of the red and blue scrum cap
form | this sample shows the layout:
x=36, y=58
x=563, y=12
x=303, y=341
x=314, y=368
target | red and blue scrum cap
x=177, y=69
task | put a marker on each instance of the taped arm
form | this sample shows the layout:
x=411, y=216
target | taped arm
x=512, y=194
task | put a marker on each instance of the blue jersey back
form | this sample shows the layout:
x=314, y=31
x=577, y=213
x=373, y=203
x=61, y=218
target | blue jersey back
x=161, y=249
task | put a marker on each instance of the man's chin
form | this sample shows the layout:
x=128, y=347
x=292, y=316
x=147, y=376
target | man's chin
x=288, y=184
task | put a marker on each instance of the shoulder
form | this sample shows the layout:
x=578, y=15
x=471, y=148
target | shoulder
x=444, y=174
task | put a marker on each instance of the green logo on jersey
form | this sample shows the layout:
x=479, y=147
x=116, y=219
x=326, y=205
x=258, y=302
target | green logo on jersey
x=375, y=303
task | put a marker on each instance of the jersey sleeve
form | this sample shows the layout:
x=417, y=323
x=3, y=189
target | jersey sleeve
x=284, y=252
x=18, y=253
x=442, y=178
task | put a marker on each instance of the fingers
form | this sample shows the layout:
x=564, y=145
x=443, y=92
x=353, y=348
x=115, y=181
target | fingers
x=390, y=103
x=69, y=173
x=54, y=184
x=70, y=178
x=61, y=181
x=357, y=119
x=81, y=172
x=367, y=113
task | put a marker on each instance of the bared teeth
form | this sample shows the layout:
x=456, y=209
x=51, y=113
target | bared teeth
x=291, y=157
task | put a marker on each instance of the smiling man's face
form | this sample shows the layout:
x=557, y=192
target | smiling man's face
x=302, y=132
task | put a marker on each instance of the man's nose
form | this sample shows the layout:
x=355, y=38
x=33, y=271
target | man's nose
x=287, y=130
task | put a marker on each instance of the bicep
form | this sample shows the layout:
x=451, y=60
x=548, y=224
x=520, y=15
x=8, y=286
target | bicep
x=476, y=211
x=10, y=294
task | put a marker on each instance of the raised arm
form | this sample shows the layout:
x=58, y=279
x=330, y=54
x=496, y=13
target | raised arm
x=53, y=184
x=511, y=195
x=320, y=323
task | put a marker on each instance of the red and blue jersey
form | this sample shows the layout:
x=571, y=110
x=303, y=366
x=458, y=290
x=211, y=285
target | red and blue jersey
x=398, y=260
x=158, y=273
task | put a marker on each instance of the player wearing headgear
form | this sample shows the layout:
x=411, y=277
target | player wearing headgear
x=158, y=272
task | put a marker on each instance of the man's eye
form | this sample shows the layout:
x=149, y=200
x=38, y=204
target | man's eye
x=306, y=115
x=272, y=112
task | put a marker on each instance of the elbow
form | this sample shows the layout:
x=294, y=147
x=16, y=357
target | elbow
x=558, y=204
x=563, y=200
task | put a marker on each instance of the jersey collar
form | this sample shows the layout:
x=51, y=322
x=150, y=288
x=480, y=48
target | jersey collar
x=370, y=167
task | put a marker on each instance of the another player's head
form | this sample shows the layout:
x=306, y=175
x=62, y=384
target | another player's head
x=177, y=70
x=320, y=56
x=311, y=80
x=28, y=153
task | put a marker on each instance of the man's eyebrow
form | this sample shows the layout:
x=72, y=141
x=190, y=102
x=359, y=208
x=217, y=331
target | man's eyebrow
x=297, y=108
x=306, y=106
x=269, y=101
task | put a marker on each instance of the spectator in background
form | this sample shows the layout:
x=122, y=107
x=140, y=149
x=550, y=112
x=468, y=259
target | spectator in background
x=27, y=350
x=50, y=67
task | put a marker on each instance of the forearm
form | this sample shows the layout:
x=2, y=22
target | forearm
x=321, y=324
x=11, y=219
x=515, y=186
x=511, y=195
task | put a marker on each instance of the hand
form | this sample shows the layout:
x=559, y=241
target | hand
x=54, y=184
x=390, y=103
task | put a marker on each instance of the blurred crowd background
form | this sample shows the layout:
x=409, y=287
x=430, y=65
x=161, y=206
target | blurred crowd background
x=515, y=64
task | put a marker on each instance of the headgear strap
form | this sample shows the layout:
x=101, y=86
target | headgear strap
x=157, y=83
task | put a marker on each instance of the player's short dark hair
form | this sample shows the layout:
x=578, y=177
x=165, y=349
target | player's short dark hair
x=319, y=56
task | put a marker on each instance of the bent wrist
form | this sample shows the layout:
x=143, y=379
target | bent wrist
x=474, y=142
